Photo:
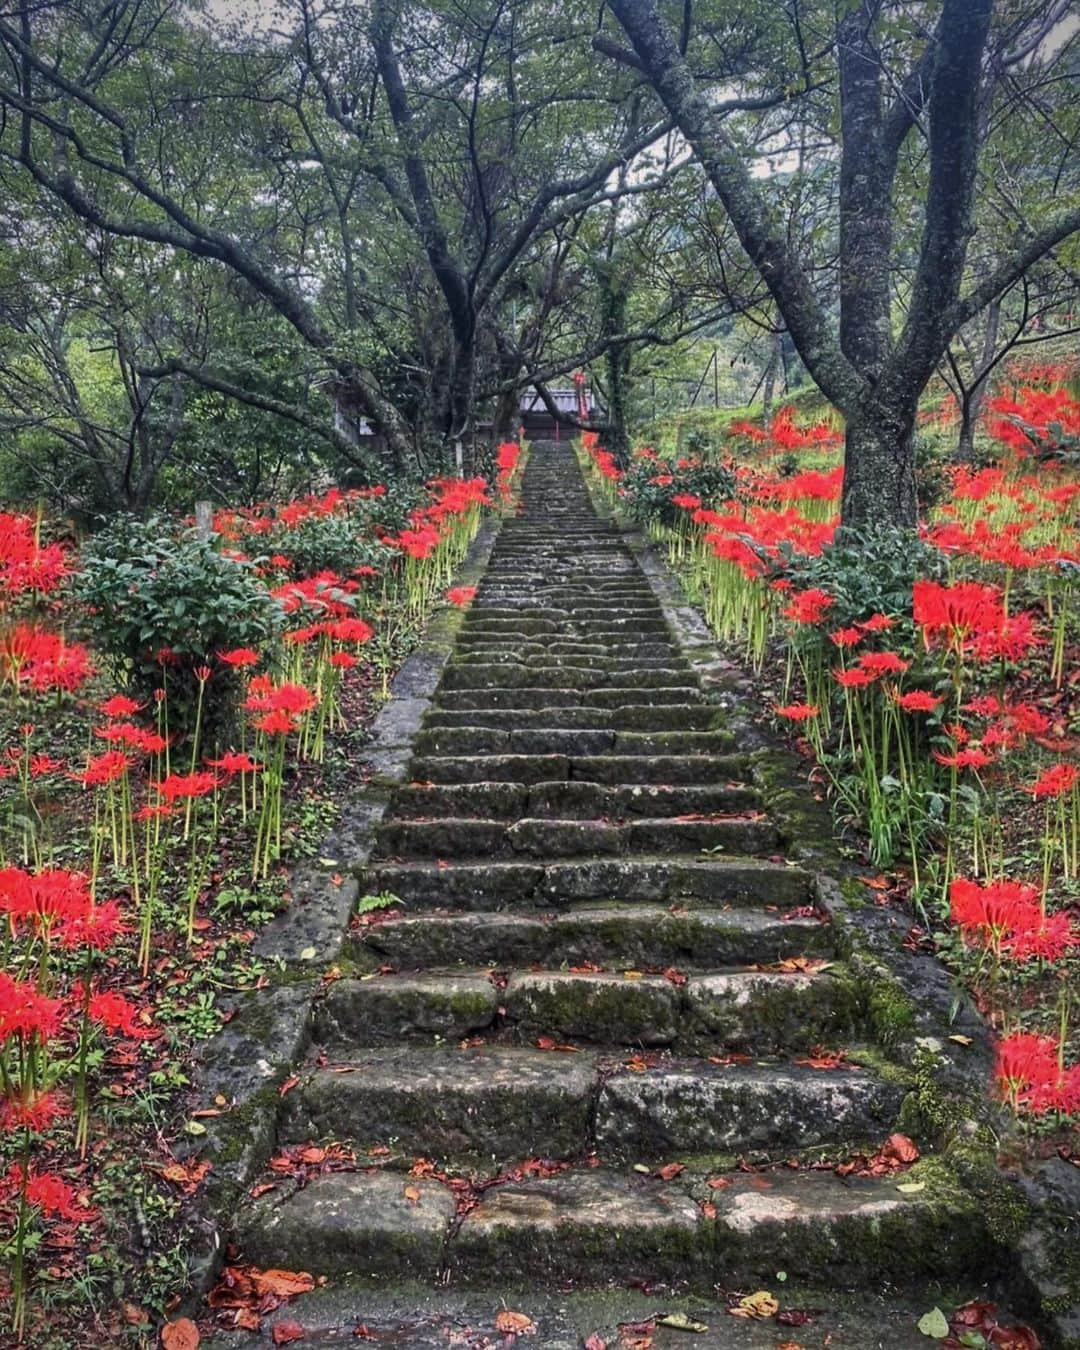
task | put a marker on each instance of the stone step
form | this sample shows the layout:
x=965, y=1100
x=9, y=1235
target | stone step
x=614, y=697
x=614, y=936
x=748, y=1011
x=508, y=885
x=514, y=675
x=451, y=1103
x=421, y=1319
x=632, y=717
x=523, y=628
x=542, y=837
x=528, y=652
x=574, y=742
x=570, y=801
x=605, y=665
x=612, y=1226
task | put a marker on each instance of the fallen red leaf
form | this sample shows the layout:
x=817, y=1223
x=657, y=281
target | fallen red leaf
x=548, y=1043
x=284, y=1333
x=514, y=1323
x=182, y=1334
x=670, y=1171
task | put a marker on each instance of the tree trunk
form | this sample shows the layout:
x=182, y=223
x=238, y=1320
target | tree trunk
x=879, y=469
x=769, y=387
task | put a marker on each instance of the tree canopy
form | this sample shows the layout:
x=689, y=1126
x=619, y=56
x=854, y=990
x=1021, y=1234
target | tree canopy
x=224, y=238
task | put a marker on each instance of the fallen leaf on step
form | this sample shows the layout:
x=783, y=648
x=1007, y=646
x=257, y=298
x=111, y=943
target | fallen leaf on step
x=547, y=1043
x=680, y=1322
x=284, y=1333
x=594, y=1342
x=759, y=1306
x=961, y=1040
x=514, y=1323
x=288, y=1084
x=412, y=1195
x=718, y=1183
x=182, y=1334
x=676, y=977
x=670, y=1171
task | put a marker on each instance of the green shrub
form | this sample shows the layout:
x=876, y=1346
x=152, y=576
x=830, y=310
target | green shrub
x=870, y=570
x=650, y=502
x=164, y=604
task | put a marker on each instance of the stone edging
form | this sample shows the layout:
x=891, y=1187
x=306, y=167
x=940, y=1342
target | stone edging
x=269, y=1030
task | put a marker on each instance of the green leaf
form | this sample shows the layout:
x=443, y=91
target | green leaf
x=934, y=1324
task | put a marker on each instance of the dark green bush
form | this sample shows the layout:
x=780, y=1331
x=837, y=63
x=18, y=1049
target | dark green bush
x=867, y=571
x=650, y=501
x=165, y=603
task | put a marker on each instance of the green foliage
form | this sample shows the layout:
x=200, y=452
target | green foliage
x=867, y=571
x=165, y=604
x=650, y=501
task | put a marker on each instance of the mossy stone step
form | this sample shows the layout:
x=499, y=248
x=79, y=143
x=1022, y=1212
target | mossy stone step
x=700, y=1108
x=615, y=936
x=452, y=1102
x=575, y=742
x=528, y=651
x=610, y=1226
x=671, y=660
x=562, y=800
x=554, y=675
x=406, y=1007
x=745, y=1011
x=456, y=1103
x=633, y=717
x=614, y=697
x=505, y=885
x=543, y=837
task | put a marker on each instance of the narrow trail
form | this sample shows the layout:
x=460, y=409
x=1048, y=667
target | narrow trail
x=578, y=972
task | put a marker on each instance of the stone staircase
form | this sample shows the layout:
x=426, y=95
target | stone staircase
x=573, y=1052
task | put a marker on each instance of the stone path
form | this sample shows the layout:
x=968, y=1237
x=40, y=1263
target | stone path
x=582, y=970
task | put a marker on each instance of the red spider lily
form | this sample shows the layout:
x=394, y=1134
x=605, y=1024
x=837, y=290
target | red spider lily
x=235, y=761
x=44, y=661
x=918, y=700
x=1048, y=937
x=686, y=501
x=96, y=929
x=796, y=712
x=342, y=660
x=989, y=912
x=25, y=1011
x=1056, y=781
x=41, y=764
x=955, y=611
x=969, y=758
x=461, y=595
x=101, y=769
x=854, y=679
x=240, y=658
x=184, y=786
x=47, y=1193
x=877, y=623
x=50, y=896
x=26, y=564
x=32, y=1109
x=808, y=606
x=1029, y=1072
x=276, y=723
x=883, y=663
x=116, y=1013
x=846, y=637
x=351, y=630
x=120, y=706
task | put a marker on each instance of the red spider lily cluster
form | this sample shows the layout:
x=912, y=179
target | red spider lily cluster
x=916, y=716
x=508, y=468
x=152, y=795
x=50, y=1018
